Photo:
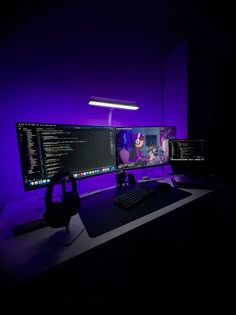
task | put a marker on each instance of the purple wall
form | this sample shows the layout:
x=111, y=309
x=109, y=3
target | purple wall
x=175, y=88
x=50, y=69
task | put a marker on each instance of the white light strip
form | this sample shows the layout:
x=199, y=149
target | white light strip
x=114, y=105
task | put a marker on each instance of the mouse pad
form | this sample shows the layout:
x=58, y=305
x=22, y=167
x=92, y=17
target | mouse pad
x=99, y=214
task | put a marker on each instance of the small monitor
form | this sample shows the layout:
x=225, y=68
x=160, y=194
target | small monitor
x=187, y=156
x=46, y=149
x=143, y=146
x=191, y=150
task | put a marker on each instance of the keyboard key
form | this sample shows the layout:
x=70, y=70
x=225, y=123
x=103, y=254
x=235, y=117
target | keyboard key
x=131, y=197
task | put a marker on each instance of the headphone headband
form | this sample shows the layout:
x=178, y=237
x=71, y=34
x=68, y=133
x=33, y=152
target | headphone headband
x=58, y=213
x=58, y=178
x=138, y=138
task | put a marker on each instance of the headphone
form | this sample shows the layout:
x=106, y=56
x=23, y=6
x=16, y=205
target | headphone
x=137, y=140
x=58, y=214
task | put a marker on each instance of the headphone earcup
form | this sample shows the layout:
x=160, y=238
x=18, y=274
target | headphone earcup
x=137, y=139
x=71, y=201
x=57, y=215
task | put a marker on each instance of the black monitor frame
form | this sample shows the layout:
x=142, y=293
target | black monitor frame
x=189, y=166
x=130, y=165
x=190, y=159
x=27, y=184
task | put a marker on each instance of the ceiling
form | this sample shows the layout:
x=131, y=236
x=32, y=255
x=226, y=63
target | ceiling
x=166, y=22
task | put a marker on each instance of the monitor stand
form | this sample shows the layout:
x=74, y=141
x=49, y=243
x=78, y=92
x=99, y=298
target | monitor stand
x=149, y=174
x=67, y=236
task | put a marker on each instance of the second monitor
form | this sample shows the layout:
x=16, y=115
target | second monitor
x=143, y=146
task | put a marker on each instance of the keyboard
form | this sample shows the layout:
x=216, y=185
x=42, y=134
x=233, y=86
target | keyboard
x=133, y=196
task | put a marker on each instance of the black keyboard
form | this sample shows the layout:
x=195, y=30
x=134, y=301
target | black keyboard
x=133, y=196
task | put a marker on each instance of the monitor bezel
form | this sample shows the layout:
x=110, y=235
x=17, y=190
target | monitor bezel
x=32, y=188
x=146, y=166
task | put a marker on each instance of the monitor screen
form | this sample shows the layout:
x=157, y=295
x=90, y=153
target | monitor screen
x=46, y=149
x=190, y=150
x=143, y=146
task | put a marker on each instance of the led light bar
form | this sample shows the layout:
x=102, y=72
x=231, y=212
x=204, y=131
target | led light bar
x=113, y=103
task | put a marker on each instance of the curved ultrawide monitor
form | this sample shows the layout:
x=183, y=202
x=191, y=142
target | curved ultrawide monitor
x=143, y=146
x=46, y=149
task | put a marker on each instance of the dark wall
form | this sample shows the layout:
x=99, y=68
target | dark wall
x=211, y=89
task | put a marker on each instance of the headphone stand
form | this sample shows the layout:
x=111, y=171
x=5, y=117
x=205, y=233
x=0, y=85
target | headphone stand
x=67, y=236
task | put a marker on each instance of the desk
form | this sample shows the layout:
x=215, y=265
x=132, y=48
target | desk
x=36, y=251
x=186, y=255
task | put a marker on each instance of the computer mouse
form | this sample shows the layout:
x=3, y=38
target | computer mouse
x=164, y=186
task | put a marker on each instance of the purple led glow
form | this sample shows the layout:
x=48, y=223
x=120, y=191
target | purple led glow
x=42, y=81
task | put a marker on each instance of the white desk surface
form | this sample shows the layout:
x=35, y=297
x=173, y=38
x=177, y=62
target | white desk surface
x=37, y=251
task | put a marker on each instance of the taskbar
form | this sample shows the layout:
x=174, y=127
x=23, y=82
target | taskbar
x=86, y=173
